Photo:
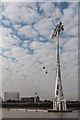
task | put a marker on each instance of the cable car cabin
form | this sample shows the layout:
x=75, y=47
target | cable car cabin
x=46, y=72
x=43, y=67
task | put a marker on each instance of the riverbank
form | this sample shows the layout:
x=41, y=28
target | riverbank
x=45, y=106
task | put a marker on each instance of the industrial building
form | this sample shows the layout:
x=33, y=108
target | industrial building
x=27, y=99
x=30, y=99
x=11, y=96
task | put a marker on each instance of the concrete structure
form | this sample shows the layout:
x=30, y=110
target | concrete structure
x=11, y=96
x=58, y=103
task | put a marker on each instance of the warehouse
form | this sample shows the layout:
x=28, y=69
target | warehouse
x=11, y=96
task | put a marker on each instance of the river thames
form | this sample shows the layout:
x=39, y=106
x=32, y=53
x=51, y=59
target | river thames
x=23, y=113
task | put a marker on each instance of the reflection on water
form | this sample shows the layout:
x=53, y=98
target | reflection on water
x=23, y=113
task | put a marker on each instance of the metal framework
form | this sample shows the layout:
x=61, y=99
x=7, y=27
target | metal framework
x=58, y=103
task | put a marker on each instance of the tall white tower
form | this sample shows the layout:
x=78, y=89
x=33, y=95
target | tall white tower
x=35, y=98
x=58, y=103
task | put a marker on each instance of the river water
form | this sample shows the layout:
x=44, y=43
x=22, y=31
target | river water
x=23, y=113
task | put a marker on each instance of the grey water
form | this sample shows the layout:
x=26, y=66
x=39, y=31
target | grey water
x=23, y=113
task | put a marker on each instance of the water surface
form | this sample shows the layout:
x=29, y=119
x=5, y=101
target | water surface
x=23, y=113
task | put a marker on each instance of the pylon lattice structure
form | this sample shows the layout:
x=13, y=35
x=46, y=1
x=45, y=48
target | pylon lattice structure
x=58, y=103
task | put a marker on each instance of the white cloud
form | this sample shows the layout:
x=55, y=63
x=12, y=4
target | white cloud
x=30, y=16
x=70, y=19
x=72, y=44
x=44, y=27
x=21, y=13
x=28, y=32
x=6, y=31
x=73, y=31
x=36, y=45
x=9, y=42
x=12, y=13
x=19, y=52
x=6, y=22
x=39, y=1
x=48, y=8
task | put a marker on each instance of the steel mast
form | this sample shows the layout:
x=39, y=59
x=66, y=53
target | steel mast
x=58, y=103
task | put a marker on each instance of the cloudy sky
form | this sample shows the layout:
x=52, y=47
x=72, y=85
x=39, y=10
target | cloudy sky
x=27, y=46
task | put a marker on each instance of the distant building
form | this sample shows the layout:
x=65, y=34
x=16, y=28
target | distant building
x=48, y=101
x=11, y=96
x=27, y=99
x=30, y=99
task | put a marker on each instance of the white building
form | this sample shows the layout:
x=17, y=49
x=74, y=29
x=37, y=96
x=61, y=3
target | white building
x=36, y=98
x=11, y=96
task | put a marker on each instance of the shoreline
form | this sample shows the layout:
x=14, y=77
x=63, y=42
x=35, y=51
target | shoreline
x=41, y=106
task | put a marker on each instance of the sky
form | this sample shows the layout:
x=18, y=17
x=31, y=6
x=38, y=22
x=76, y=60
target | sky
x=27, y=46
